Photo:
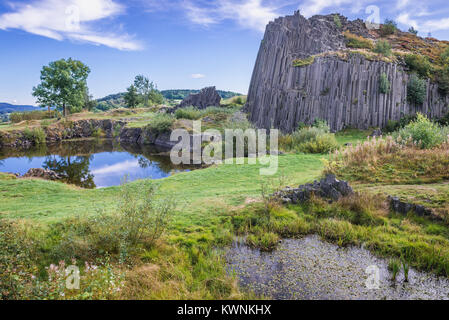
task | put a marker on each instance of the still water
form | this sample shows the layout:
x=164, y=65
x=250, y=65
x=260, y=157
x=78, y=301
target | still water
x=92, y=163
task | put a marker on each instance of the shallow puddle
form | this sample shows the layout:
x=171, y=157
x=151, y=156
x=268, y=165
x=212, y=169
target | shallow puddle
x=311, y=269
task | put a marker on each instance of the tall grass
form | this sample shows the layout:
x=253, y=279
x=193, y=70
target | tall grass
x=17, y=117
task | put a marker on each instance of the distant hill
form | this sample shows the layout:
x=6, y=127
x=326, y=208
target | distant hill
x=116, y=100
x=10, y=108
x=180, y=94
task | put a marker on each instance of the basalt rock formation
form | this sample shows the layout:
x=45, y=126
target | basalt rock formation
x=331, y=82
x=207, y=97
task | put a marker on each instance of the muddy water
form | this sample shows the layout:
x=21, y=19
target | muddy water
x=310, y=269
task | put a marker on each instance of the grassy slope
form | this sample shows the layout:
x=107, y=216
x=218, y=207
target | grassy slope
x=199, y=191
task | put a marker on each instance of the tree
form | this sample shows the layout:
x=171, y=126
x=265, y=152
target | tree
x=131, y=97
x=89, y=102
x=147, y=91
x=63, y=85
x=416, y=90
x=413, y=31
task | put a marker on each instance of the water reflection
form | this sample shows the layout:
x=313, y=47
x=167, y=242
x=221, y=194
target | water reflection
x=92, y=163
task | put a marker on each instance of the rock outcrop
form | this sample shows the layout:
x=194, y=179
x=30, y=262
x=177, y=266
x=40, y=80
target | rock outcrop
x=341, y=89
x=43, y=174
x=402, y=207
x=207, y=97
x=328, y=188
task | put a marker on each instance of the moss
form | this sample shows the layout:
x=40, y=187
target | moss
x=303, y=62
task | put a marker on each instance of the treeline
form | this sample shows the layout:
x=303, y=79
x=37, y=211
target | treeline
x=180, y=94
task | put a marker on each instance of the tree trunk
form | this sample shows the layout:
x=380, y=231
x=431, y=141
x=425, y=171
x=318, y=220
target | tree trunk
x=64, y=108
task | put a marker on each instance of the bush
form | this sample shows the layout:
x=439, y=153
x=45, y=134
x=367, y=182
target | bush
x=419, y=64
x=384, y=84
x=36, y=136
x=383, y=47
x=161, y=123
x=316, y=139
x=388, y=28
x=442, y=78
x=444, y=120
x=413, y=31
x=423, y=132
x=396, y=125
x=321, y=144
x=416, y=90
x=337, y=21
x=17, y=117
x=355, y=41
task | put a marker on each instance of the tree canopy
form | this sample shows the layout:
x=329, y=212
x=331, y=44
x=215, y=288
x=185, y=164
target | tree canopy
x=63, y=85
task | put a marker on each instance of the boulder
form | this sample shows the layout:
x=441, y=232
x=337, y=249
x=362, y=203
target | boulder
x=402, y=207
x=208, y=97
x=43, y=174
x=328, y=188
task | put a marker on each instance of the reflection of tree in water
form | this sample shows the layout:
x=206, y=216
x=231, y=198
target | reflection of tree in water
x=75, y=169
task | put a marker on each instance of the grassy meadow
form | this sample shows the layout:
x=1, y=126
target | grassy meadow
x=47, y=225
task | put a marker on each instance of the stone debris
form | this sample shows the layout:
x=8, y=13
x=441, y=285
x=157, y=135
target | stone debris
x=43, y=174
x=328, y=188
x=402, y=207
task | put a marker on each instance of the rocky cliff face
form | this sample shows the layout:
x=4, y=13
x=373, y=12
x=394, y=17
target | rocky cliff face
x=207, y=97
x=342, y=89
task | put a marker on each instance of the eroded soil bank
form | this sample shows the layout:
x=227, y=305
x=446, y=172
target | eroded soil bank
x=310, y=269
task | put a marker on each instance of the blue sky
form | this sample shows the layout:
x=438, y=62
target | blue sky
x=177, y=43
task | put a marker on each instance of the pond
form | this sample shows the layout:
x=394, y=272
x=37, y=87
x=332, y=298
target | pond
x=92, y=163
x=311, y=269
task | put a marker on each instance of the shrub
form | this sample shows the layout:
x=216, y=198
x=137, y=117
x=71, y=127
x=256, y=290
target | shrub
x=355, y=41
x=388, y=28
x=321, y=144
x=442, y=78
x=444, y=120
x=384, y=84
x=423, y=132
x=416, y=90
x=316, y=139
x=337, y=21
x=383, y=47
x=161, y=123
x=419, y=64
x=413, y=31
x=36, y=136
x=322, y=125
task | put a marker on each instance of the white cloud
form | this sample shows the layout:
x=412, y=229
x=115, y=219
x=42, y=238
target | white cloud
x=313, y=7
x=70, y=19
x=198, y=76
x=249, y=14
x=121, y=167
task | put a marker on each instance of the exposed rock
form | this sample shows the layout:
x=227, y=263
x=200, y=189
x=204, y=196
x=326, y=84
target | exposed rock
x=328, y=188
x=343, y=90
x=376, y=133
x=43, y=174
x=207, y=97
x=402, y=207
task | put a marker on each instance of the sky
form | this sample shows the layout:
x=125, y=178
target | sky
x=179, y=44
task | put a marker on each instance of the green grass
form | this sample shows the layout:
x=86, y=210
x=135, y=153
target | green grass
x=199, y=191
x=352, y=136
